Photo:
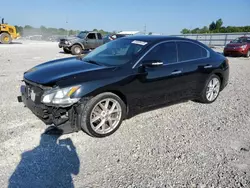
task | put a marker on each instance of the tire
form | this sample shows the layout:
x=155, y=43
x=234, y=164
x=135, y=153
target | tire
x=67, y=51
x=89, y=112
x=76, y=49
x=204, y=98
x=248, y=54
x=5, y=38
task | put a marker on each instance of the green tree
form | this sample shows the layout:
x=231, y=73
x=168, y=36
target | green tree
x=212, y=26
x=185, y=31
x=28, y=27
x=204, y=30
x=196, y=30
x=150, y=33
x=218, y=24
x=43, y=29
x=71, y=32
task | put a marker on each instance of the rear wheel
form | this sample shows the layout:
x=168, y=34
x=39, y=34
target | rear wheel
x=5, y=38
x=67, y=51
x=211, y=90
x=102, y=115
x=76, y=49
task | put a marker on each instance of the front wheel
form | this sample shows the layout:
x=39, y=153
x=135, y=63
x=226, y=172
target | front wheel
x=211, y=90
x=5, y=38
x=76, y=49
x=102, y=115
x=248, y=53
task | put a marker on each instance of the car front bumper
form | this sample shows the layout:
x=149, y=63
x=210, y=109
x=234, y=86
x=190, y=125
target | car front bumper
x=64, y=119
x=236, y=52
x=63, y=45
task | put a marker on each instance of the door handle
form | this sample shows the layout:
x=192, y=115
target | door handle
x=208, y=66
x=176, y=72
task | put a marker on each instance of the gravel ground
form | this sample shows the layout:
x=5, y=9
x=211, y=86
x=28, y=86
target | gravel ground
x=185, y=145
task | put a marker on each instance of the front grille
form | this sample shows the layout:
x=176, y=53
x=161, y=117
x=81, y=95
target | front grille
x=34, y=91
x=62, y=41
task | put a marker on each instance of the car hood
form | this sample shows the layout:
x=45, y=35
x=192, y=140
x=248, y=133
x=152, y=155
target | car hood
x=71, y=38
x=235, y=44
x=56, y=70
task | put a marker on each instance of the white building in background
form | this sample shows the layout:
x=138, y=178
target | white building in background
x=130, y=33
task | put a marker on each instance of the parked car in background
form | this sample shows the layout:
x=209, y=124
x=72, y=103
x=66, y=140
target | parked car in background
x=238, y=47
x=120, y=79
x=83, y=41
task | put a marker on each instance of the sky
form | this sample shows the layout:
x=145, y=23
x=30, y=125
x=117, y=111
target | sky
x=159, y=16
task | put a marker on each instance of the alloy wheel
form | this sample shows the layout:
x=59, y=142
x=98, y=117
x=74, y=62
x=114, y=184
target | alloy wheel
x=105, y=116
x=213, y=89
x=77, y=50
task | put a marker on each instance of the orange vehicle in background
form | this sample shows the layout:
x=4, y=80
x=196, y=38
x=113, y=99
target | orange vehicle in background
x=7, y=33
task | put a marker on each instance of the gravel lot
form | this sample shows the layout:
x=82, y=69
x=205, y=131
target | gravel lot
x=185, y=145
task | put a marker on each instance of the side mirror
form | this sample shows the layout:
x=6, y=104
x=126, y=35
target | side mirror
x=152, y=63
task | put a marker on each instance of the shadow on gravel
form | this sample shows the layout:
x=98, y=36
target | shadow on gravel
x=84, y=52
x=50, y=164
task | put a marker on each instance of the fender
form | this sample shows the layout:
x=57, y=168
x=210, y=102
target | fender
x=78, y=43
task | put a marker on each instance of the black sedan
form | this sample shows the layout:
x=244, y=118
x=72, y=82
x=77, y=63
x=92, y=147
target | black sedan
x=120, y=79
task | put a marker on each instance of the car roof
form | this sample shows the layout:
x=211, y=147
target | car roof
x=156, y=38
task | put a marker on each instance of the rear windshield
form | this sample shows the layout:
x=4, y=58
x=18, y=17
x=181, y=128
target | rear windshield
x=239, y=40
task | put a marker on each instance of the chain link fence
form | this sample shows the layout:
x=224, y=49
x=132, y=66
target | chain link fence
x=215, y=39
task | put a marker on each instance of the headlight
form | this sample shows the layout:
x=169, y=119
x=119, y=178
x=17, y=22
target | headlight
x=67, y=42
x=244, y=46
x=61, y=96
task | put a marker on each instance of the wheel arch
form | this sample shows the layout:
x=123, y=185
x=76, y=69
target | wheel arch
x=120, y=94
x=78, y=43
x=220, y=75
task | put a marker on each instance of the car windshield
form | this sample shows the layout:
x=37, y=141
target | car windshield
x=82, y=35
x=117, y=52
x=239, y=40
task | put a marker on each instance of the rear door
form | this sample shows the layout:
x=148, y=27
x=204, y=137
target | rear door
x=99, y=40
x=195, y=62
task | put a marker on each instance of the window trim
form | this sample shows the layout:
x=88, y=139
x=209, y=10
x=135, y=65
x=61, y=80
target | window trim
x=99, y=34
x=208, y=52
x=92, y=34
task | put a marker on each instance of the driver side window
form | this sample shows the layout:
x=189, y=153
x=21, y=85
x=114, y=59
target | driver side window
x=165, y=52
x=91, y=36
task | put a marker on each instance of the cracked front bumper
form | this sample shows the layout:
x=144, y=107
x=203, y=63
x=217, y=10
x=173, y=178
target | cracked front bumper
x=65, y=119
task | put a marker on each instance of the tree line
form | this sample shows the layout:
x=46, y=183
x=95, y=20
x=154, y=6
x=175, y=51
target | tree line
x=216, y=27
x=28, y=30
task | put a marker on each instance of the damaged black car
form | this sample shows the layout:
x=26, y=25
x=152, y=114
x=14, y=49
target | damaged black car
x=120, y=79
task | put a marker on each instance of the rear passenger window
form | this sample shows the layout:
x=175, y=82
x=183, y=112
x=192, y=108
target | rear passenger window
x=99, y=35
x=165, y=52
x=190, y=51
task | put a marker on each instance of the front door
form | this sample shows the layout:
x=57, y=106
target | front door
x=91, y=41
